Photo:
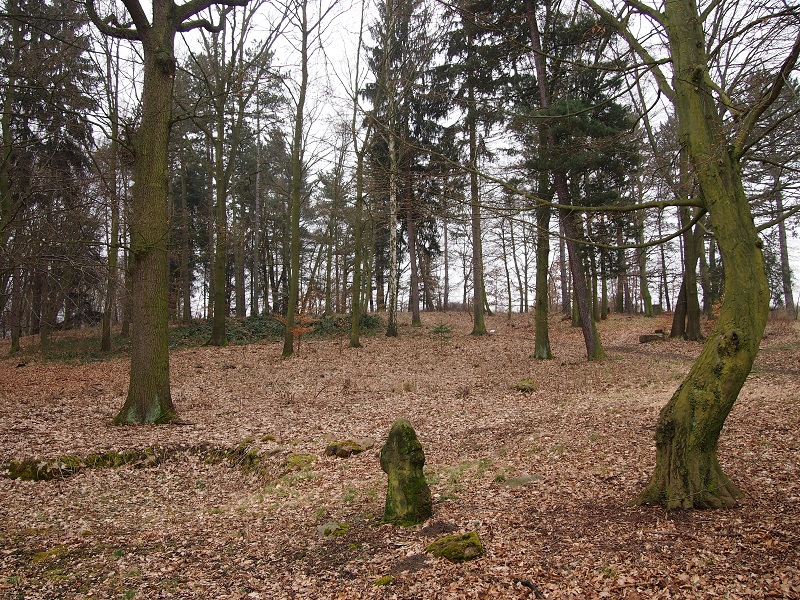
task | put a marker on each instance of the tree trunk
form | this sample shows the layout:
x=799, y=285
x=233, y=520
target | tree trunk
x=686, y=320
x=113, y=251
x=210, y=228
x=220, y=270
x=186, y=250
x=16, y=310
x=112, y=188
x=647, y=299
x=504, y=250
x=391, y=328
x=411, y=228
x=664, y=287
x=604, y=309
x=358, y=258
x=594, y=348
x=255, y=269
x=542, y=337
x=446, y=295
x=45, y=309
x=786, y=272
x=687, y=472
x=149, y=399
x=478, y=291
x=297, y=180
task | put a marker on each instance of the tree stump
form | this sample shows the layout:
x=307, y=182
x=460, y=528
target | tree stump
x=408, y=498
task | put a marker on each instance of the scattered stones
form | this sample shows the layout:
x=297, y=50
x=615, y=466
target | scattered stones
x=457, y=548
x=408, y=497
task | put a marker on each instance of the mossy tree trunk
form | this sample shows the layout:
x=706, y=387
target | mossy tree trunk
x=687, y=472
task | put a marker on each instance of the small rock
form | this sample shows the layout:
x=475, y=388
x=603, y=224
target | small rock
x=457, y=548
x=526, y=386
x=344, y=449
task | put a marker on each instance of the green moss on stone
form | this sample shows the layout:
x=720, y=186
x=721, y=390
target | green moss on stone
x=457, y=548
x=343, y=449
x=526, y=386
x=408, y=497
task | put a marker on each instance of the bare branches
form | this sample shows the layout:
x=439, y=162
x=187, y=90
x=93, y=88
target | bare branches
x=766, y=100
x=622, y=28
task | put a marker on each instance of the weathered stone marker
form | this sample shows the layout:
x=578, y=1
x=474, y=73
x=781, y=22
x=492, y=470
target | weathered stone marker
x=408, y=497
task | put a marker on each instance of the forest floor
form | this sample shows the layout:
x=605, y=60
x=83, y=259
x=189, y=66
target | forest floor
x=544, y=477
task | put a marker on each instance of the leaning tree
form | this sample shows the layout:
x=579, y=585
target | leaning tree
x=687, y=472
x=149, y=399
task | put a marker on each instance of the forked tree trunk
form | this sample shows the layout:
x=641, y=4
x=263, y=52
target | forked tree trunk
x=687, y=472
x=594, y=347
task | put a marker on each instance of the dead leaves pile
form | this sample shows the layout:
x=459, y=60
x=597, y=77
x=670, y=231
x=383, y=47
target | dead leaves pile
x=543, y=476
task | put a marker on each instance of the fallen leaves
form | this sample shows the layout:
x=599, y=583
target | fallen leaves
x=543, y=477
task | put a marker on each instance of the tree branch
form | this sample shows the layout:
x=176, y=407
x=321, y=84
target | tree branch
x=110, y=26
x=766, y=100
x=140, y=20
x=199, y=24
x=184, y=12
x=636, y=46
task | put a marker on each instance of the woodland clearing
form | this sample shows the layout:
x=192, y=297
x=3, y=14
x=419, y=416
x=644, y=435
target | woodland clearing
x=543, y=476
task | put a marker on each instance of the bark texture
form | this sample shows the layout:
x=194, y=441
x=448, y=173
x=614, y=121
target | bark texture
x=688, y=473
x=149, y=399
